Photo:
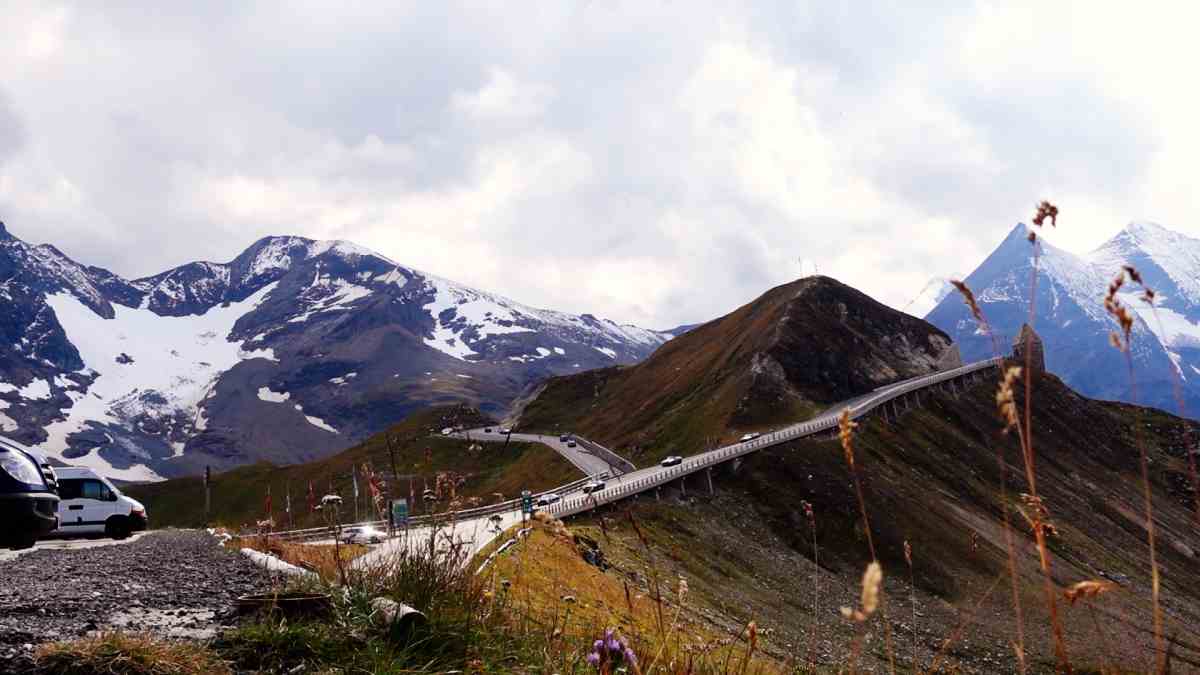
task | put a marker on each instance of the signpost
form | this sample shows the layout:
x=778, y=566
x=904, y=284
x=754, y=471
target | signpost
x=526, y=504
x=207, y=492
x=400, y=512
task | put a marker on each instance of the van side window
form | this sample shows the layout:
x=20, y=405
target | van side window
x=94, y=489
x=70, y=488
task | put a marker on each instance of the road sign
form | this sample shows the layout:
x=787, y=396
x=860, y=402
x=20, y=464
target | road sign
x=400, y=511
x=526, y=502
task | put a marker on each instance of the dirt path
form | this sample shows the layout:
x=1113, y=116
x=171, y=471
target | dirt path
x=174, y=582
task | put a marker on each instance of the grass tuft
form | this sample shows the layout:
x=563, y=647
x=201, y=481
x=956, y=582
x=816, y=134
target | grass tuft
x=128, y=654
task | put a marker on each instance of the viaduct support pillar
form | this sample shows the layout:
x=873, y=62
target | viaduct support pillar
x=708, y=472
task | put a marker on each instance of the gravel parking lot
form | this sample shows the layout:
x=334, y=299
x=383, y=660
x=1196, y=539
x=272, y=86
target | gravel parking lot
x=174, y=582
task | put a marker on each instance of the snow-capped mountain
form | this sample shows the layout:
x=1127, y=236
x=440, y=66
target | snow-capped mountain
x=933, y=293
x=1071, y=318
x=291, y=351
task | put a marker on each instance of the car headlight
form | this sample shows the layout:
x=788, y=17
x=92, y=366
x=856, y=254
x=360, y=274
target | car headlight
x=21, y=468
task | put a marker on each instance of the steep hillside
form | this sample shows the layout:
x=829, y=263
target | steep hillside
x=480, y=471
x=290, y=352
x=932, y=480
x=794, y=350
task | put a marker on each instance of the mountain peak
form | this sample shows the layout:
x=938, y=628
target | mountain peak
x=1137, y=226
x=4, y=232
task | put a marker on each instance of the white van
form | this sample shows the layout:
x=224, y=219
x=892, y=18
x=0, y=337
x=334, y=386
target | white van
x=90, y=504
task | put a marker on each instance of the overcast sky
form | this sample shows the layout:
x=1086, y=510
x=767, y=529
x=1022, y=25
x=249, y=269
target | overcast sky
x=653, y=162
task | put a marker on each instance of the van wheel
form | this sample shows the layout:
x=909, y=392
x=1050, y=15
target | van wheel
x=116, y=528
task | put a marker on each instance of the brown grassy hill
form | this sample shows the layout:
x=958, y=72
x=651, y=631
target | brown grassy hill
x=238, y=496
x=933, y=480
x=778, y=359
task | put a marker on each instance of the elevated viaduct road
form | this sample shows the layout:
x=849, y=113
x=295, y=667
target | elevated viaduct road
x=478, y=526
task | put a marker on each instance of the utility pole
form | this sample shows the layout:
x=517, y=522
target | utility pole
x=207, y=493
x=391, y=446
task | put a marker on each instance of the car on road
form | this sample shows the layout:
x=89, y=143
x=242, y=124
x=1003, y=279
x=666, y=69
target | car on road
x=750, y=436
x=571, y=443
x=363, y=534
x=673, y=460
x=563, y=438
x=505, y=430
x=90, y=504
x=28, y=503
x=548, y=499
x=487, y=430
x=594, y=486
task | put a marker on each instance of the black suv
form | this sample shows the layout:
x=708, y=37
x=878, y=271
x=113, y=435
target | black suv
x=28, y=496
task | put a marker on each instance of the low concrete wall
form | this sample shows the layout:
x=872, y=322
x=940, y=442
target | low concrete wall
x=621, y=464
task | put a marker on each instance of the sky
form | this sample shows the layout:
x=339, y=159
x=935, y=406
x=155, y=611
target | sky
x=654, y=162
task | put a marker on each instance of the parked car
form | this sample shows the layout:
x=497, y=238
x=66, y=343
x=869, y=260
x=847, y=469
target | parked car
x=673, y=460
x=91, y=504
x=548, y=499
x=28, y=503
x=594, y=486
x=363, y=534
x=750, y=436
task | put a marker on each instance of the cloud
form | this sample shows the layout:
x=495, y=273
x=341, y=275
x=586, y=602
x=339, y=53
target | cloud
x=639, y=161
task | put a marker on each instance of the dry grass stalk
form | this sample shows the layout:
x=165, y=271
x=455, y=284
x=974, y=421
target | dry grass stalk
x=912, y=597
x=136, y=654
x=1010, y=416
x=1087, y=589
x=812, y=525
x=969, y=298
x=871, y=581
x=1044, y=210
x=846, y=428
x=846, y=436
x=1005, y=402
x=1149, y=296
x=1119, y=312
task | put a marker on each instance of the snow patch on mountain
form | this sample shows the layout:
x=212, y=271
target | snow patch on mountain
x=6, y=423
x=458, y=311
x=315, y=421
x=137, y=353
x=328, y=294
x=36, y=390
x=934, y=291
x=265, y=394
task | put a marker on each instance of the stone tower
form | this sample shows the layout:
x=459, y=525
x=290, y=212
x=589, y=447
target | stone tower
x=1037, y=351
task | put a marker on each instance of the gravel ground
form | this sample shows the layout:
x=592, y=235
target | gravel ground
x=175, y=582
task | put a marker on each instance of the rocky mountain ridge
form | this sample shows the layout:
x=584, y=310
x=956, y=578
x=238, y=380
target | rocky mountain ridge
x=1073, y=322
x=291, y=351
